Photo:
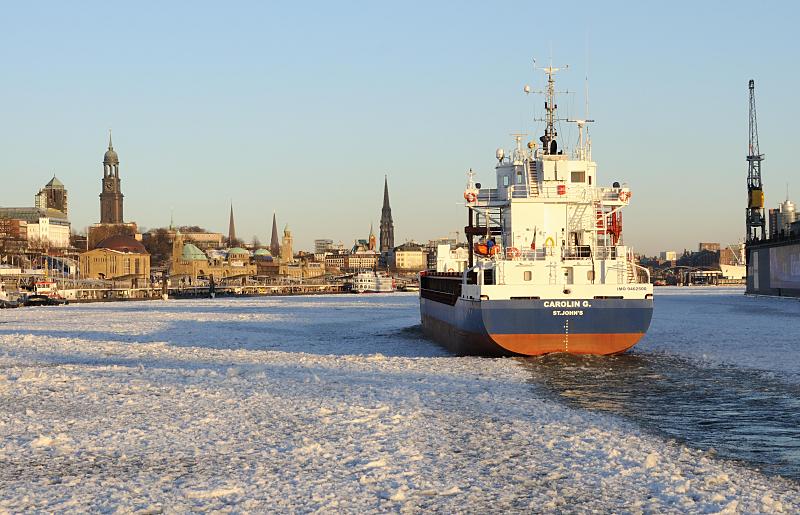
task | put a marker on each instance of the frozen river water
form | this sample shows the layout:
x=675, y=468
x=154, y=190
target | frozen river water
x=337, y=404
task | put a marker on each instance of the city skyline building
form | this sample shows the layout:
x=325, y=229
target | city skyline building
x=322, y=245
x=111, y=196
x=274, y=243
x=386, y=224
x=52, y=196
x=231, y=228
x=112, y=221
x=286, y=246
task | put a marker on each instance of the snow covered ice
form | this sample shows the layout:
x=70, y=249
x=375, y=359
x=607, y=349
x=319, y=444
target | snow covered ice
x=333, y=404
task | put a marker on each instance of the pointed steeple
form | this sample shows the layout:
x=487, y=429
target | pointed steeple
x=387, y=224
x=231, y=229
x=274, y=243
x=110, y=144
x=386, y=206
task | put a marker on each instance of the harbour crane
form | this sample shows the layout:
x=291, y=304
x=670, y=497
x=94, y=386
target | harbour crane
x=755, y=192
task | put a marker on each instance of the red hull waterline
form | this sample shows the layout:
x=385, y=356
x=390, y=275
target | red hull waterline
x=465, y=343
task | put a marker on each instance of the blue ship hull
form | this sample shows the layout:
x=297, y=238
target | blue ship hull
x=533, y=327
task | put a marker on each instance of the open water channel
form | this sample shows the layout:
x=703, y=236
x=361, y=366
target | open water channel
x=717, y=370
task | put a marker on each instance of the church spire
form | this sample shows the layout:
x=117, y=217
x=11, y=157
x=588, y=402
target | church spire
x=387, y=224
x=110, y=145
x=274, y=243
x=231, y=229
x=386, y=206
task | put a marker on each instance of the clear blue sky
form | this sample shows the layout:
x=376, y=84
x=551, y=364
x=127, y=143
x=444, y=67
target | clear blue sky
x=303, y=109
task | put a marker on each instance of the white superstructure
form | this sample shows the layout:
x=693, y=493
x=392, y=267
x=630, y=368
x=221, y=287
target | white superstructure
x=372, y=282
x=547, y=229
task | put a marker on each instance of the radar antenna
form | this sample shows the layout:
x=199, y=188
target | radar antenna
x=549, y=145
x=755, y=192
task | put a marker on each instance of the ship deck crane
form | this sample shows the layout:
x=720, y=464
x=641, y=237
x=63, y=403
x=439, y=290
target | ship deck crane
x=755, y=192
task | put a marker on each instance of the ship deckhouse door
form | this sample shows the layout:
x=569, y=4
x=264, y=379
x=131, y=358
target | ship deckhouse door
x=568, y=275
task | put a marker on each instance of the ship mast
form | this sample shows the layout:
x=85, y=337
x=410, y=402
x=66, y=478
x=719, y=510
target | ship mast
x=549, y=144
x=755, y=193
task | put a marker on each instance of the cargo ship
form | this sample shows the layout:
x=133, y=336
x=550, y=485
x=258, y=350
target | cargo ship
x=547, y=270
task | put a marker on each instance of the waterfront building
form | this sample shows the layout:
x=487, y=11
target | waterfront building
x=341, y=261
x=335, y=260
x=119, y=257
x=13, y=229
x=43, y=228
x=364, y=260
x=111, y=214
x=386, y=224
x=52, y=196
x=188, y=261
x=302, y=270
x=409, y=257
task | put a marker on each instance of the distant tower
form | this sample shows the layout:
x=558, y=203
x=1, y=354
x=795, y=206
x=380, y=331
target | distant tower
x=274, y=243
x=111, y=197
x=231, y=229
x=286, y=246
x=52, y=196
x=387, y=225
x=371, y=238
x=177, y=246
x=755, y=190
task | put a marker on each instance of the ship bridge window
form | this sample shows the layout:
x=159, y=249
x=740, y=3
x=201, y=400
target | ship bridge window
x=578, y=176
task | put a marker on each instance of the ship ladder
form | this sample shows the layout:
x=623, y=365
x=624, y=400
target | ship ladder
x=533, y=178
x=631, y=272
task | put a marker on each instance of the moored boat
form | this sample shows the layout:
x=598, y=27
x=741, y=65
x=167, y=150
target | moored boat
x=372, y=282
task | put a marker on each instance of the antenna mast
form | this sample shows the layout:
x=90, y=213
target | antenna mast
x=549, y=145
x=755, y=192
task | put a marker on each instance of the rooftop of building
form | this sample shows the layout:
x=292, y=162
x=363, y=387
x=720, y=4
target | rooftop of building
x=122, y=243
x=32, y=214
x=190, y=252
x=409, y=245
x=55, y=183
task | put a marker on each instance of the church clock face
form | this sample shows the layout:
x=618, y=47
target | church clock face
x=107, y=186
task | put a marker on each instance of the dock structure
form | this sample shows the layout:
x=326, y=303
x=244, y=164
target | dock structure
x=189, y=292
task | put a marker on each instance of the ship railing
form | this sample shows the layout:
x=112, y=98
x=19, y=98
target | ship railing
x=563, y=191
x=488, y=195
x=575, y=252
x=641, y=274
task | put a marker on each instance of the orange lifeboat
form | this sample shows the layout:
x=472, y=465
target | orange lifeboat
x=485, y=250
